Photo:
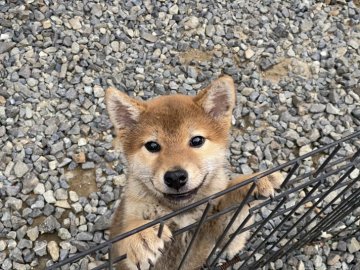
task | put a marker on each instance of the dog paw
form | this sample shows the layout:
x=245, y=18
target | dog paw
x=144, y=248
x=267, y=185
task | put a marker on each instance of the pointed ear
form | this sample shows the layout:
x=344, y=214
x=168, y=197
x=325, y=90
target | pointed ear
x=218, y=99
x=123, y=110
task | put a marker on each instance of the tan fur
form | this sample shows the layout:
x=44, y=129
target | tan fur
x=172, y=121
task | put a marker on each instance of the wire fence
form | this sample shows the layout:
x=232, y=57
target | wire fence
x=311, y=206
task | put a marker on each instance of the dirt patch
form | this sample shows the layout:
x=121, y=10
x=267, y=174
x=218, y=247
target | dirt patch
x=83, y=182
x=286, y=66
x=195, y=55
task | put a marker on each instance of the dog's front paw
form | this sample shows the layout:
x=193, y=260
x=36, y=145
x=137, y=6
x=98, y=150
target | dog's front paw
x=267, y=185
x=143, y=249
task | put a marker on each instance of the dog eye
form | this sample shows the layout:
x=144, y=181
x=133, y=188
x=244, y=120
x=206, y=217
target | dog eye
x=152, y=147
x=197, y=141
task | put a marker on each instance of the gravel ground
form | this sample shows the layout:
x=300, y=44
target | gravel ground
x=296, y=65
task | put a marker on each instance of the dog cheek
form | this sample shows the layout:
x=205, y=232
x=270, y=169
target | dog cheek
x=142, y=166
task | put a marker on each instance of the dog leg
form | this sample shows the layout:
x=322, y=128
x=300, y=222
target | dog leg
x=142, y=249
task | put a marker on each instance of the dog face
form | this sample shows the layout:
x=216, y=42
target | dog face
x=175, y=145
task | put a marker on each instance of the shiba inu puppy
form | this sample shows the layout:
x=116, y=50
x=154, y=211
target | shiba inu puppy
x=175, y=150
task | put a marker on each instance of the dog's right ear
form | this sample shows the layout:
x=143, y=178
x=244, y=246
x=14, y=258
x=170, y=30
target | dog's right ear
x=123, y=110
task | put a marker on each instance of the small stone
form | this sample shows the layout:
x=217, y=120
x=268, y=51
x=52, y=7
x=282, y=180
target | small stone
x=24, y=243
x=77, y=207
x=356, y=113
x=173, y=10
x=301, y=266
x=32, y=82
x=248, y=146
x=49, y=196
x=63, y=204
x=64, y=234
x=333, y=259
x=46, y=24
x=317, y=260
x=305, y=149
x=39, y=189
x=317, y=108
x=102, y=223
x=13, y=203
x=191, y=23
x=53, y=250
x=354, y=245
x=49, y=225
x=210, y=30
x=53, y=165
x=6, y=46
x=355, y=173
x=148, y=37
x=20, y=169
x=33, y=233
x=57, y=147
x=96, y=10
x=332, y=109
x=306, y=25
x=2, y=100
x=40, y=248
x=88, y=165
x=61, y=194
x=98, y=91
x=82, y=142
x=75, y=48
x=75, y=23
x=2, y=245
x=291, y=135
x=84, y=236
x=73, y=196
x=249, y=53
x=29, y=183
x=247, y=91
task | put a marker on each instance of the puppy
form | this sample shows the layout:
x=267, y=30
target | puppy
x=175, y=150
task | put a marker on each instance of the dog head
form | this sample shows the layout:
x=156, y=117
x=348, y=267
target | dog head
x=175, y=146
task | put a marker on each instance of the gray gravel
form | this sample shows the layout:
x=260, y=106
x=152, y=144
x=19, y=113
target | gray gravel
x=295, y=63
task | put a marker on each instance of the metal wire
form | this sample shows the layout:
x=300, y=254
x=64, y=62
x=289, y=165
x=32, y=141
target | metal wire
x=333, y=174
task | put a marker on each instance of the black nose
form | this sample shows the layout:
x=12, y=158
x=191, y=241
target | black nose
x=176, y=179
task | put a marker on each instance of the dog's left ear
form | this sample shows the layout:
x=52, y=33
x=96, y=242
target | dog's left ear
x=218, y=99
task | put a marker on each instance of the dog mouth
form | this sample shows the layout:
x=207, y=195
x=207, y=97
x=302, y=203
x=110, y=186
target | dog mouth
x=185, y=195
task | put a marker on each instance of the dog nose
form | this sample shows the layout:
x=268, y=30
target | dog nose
x=176, y=179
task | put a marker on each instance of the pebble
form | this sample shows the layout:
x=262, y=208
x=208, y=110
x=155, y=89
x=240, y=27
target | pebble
x=75, y=23
x=20, y=169
x=49, y=196
x=191, y=23
x=2, y=245
x=13, y=203
x=53, y=250
x=64, y=234
x=49, y=225
x=249, y=54
x=174, y=9
x=317, y=108
x=73, y=196
x=39, y=189
x=333, y=259
x=332, y=109
x=33, y=233
x=354, y=245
